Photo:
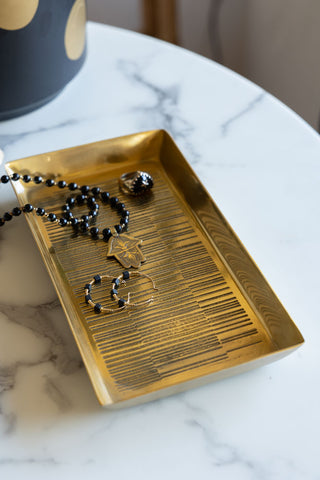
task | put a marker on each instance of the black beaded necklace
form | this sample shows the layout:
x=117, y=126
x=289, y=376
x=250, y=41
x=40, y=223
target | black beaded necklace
x=123, y=247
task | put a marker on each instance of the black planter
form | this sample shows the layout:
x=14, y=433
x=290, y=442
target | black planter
x=42, y=47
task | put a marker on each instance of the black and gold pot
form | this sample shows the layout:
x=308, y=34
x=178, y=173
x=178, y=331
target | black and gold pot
x=42, y=47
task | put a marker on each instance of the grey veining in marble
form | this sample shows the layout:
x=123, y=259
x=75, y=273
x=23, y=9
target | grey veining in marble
x=162, y=107
x=248, y=108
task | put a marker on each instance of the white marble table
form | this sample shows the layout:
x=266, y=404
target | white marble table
x=261, y=164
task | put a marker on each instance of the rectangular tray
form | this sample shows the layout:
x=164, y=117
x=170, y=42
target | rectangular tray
x=214, y=314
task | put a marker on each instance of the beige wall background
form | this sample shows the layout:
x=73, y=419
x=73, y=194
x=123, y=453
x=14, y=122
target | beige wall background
x=274, y=43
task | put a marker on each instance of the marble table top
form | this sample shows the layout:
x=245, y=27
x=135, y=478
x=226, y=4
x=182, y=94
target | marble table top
x=260, y=162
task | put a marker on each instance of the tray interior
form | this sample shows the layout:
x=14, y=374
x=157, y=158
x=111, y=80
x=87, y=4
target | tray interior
x=213, y=309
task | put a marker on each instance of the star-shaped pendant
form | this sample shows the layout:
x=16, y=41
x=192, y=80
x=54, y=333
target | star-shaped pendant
x=126, y=250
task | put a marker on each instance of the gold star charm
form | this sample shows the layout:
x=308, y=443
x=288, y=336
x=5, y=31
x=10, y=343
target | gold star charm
x=126, y=250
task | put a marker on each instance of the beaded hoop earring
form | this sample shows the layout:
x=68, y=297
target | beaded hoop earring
x=122, y=303
x=122, y=279
x=97, y=307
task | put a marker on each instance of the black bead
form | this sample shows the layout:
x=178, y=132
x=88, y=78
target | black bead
x=125, y=275
x=37, y=179
x=16, y=211
x=116, y=282
x=61, y=184
x=28, y=208
x=121, y=302
x=121, y=207
x=15, y=177
x=85, y=218
x=74, y=222
x=87, y=287
x=94, y=231
x=84, y=227
x=50, y=182
x=124, y=222
x=2, y=222
x=80, y=199
x=5, y=179
x=93, y=213
x=52, y=217
x=7, y=217
x=85, y=189
x=113, y=292
x=26, y=178
x=118, y=228
x=40, y=211
x=125, y=213
x=97, y=279
x=95, y=190
x=114, y=201
x=98, y=307
x=65, y=208
x=63, y=222
x=68, y=215
x=106, y=232
x=90, y=204
x=71, y=201
x=72, y=186
x=91, y=201
x=105, y=197
x=87, y=298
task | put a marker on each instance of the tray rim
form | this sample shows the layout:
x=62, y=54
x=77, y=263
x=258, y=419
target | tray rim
x=233, y=234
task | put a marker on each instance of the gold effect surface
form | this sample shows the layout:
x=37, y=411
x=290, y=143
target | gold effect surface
x=75, y=34
x=16, y=14
x=213, y=315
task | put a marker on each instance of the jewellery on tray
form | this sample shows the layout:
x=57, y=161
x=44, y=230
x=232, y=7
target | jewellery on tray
x=116, y=282
x=136, y=183
x=120, y=245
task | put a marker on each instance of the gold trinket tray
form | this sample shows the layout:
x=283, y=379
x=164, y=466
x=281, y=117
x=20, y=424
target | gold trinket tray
x=214, y=314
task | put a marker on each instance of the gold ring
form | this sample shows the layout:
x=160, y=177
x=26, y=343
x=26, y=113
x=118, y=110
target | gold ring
x=136, y=183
